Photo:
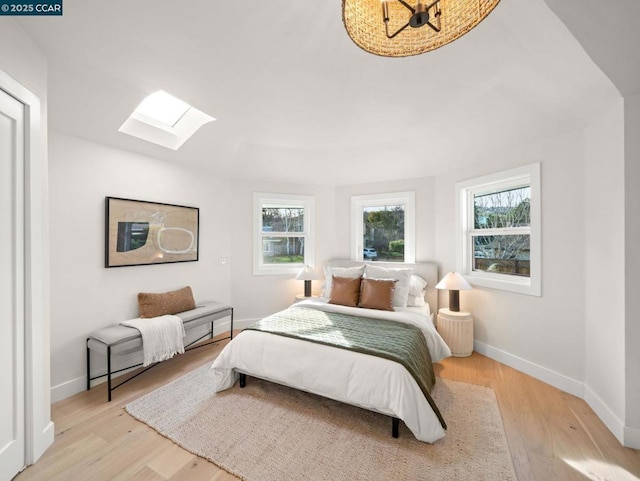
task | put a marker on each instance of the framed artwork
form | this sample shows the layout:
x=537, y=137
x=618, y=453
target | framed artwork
x=141, y=233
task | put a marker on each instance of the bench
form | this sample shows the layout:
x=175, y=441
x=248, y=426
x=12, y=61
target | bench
x=120, y=340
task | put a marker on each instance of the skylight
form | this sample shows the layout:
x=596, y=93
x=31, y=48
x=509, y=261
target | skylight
x=163, y=107
x=164, y=120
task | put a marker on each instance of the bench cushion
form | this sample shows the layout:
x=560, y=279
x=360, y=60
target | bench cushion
x=127, y=339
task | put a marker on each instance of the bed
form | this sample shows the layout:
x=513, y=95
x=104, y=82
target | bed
x=368, y=381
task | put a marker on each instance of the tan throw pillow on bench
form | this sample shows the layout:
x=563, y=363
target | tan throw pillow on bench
x=154, y=305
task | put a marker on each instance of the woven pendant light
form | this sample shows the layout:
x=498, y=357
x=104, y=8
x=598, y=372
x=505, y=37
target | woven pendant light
x=414, y=28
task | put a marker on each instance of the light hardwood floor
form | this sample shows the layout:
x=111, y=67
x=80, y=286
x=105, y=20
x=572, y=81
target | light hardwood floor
x=552, y=435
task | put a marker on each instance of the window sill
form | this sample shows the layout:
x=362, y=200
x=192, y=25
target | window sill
x=520, y=285
x=277, y=271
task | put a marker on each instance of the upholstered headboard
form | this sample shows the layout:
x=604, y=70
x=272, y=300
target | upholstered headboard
x=427, y=270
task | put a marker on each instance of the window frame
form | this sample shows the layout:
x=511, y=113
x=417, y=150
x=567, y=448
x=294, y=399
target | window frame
x=307, y=202
x=359, y=202
x=497, y=182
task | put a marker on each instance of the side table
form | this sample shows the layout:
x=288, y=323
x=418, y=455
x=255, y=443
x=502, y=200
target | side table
x=456, y=328
x=302, y=297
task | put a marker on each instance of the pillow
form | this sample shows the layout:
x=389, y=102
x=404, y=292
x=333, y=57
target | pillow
x=416, y=301
x=329, y=272
x=377, y=294
x=345, y=291
x=416, y=285
x=416, y=291
x=402, y=275
x=154, y=305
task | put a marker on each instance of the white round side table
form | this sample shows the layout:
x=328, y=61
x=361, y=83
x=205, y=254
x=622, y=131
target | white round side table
x=302, y=297
x=456, y=328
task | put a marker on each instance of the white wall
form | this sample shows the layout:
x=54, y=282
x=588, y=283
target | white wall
x=604, y=267
x=632, y=270
x=257, y=296
x=21, y=59
x=84, y=294
x=543, y=336
x=425, y=211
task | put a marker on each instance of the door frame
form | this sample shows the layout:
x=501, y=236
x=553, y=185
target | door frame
x=39, y=430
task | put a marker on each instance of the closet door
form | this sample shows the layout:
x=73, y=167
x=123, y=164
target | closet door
x=12, y=301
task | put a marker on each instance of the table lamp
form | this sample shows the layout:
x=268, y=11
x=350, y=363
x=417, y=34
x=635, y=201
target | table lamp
x=455, y=283
x=307, y=274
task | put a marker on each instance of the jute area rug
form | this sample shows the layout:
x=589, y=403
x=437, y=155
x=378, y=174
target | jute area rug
x=268, y=432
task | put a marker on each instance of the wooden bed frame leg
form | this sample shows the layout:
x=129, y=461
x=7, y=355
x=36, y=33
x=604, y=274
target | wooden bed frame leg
x=243, y=380
x=395, y=425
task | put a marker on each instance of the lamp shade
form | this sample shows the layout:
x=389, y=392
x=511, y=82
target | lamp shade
x=453, y=281
x=399, y=28
x=307, y=273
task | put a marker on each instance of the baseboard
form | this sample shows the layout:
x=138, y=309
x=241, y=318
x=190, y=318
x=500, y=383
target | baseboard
x=74, y=386
x=557, y=380
x=68, y=388
x=631, y=437
x=606, y=415
x=628, y=436
x=41, y=443
x=237, y=325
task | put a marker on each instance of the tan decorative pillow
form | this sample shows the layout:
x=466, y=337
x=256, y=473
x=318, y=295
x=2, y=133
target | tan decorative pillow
x=345, y=291
x=154, y=305
x=377, y=294
x=402, y=275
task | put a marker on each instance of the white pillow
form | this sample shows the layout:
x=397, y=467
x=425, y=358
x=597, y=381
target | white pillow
x=401, y=275
x=417, y=285
x=329, y=272
x=416, y=301
x=417, y=291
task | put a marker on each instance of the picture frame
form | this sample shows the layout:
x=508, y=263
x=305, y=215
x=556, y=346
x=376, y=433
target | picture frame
x=144, y=233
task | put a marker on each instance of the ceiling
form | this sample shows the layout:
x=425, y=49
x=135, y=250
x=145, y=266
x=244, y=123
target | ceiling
x=297, y=101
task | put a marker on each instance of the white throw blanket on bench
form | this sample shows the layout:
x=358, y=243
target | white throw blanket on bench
x=162, y=337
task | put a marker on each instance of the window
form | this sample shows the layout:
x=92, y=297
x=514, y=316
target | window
x=383, y=227
x=499, y=238
x=283, y=242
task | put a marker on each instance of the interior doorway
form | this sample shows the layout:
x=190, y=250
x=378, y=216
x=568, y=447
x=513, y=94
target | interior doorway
x=26, y=430
x=12, y=276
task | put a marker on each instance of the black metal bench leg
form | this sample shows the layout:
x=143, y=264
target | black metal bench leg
x=88, y=366
x=109, y=373
x=243, y=380
x=395, y=425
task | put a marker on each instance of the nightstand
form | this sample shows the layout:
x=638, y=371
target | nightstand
x=456, y=328
x=301, y=297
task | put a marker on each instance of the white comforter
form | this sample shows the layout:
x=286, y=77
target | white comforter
x=367, y=381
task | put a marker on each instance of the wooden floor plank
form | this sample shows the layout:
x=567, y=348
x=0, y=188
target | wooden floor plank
x=552, y=435
x=197, y=470
x=66, y=463
x=146, y=474
x=171, y=460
